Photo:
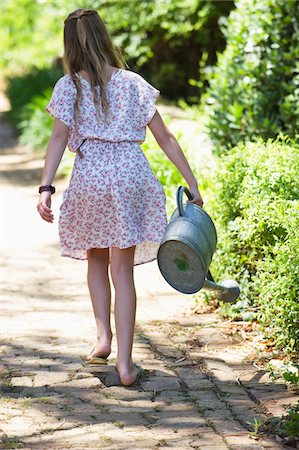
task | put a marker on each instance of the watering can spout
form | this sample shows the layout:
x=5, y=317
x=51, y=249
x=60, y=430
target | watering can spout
x=227, y=291
x=186, y=250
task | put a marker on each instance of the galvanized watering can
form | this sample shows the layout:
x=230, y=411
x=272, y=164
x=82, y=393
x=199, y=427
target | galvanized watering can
x=186, y=250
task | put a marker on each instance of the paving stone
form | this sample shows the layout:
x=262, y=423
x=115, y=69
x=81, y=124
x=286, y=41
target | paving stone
x=242, y=442
x=222, y=375
x=223, y=422
x=275, y=387
x=241, y=446
x=213, y=444
x=185, y=363
x=209, y=401
x=269, y=443
x=160, y=384
x=276, y=399
x=163, y=373
x=145, y=406
x=181, y=421
x=45, y=378
x=167, y=433
x=156, y=337
x=233, y=357
x=173, y=396
x=73, y=367
x=83, y=383
x=240, y=400
x=200, y=383
x=277, y=408
x=119, y=393
x=179, y=443
x=190, y=373
x=178, y=446
x=169, y=352
x=22, y=381
x=17, y=425
x=243, y=409
x=249, y=373
x=230, y=388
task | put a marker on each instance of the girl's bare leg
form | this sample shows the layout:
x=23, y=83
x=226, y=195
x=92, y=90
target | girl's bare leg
x=122, y=275
x=100, y=294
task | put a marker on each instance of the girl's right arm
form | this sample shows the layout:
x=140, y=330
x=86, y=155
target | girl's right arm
x=55, y=150
x=168, y=143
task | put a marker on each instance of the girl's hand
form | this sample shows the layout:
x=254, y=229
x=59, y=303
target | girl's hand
x=197, y=199
x=44, y=206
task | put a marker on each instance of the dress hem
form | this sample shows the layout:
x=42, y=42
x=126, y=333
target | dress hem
x=65, y=253
x=84, y=259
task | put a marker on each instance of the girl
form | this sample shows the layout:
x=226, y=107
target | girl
x=113, y=211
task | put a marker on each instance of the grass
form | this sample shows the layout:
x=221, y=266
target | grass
x=25, y=403
x=10, y=442
x=118, y=423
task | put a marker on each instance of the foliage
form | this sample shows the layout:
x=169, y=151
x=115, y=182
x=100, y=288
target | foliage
x=255, y=425
x=168, y=40
x=255, y=205
x=288, y=371
x=36, y=123
x=35, y=127
x=255, y=87
x=289, y=424
x=164, y=170
x=24, y=92
x=31, y=33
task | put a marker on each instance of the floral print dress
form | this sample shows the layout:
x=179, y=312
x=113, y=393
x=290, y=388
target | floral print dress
x=113, y=198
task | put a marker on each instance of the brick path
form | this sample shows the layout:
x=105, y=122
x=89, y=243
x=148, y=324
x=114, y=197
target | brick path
x=196, y=393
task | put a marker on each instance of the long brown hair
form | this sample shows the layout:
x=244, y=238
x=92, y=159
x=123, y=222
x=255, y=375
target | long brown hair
x=89, y=47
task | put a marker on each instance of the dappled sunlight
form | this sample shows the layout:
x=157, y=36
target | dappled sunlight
x=214, y=375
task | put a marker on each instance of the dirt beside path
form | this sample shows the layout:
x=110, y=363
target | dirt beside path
x=196, y=392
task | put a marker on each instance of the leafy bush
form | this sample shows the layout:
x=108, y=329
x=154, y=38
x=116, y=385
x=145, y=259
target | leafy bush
x=166, y=40
x=23, y=90
x=165, y=170
x=35, y=124
x=255, y=205
x=289, y=423
x=35, y=130
x=255, y=87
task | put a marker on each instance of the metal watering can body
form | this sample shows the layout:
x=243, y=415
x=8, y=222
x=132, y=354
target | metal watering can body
x=186, y=250
x=187, y=247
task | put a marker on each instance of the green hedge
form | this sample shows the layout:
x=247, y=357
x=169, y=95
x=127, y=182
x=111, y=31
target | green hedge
x=255, y=87
x=255, y=205
x=167, y=41
x=24, y=92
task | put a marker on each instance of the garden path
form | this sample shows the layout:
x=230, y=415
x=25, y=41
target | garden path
x=197, y=391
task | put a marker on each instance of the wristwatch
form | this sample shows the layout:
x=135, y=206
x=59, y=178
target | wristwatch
x=47, y=187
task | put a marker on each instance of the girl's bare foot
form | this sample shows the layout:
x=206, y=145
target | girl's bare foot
x=128, y=375
x=102, y=348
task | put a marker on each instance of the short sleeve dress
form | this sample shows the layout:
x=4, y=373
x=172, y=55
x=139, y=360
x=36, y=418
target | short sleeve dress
x=113, y=198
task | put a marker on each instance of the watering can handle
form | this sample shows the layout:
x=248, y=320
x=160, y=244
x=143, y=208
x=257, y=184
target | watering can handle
x=179, y=198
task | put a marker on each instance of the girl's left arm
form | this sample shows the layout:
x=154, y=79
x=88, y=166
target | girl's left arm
x=168, y=143
x=55, y=150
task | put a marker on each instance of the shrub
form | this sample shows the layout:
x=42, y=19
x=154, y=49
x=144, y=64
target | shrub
x=35, y=124
x=255, y=87
x=165, y=40
x=255, y=205
x=165, y=170
x=23, y=89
